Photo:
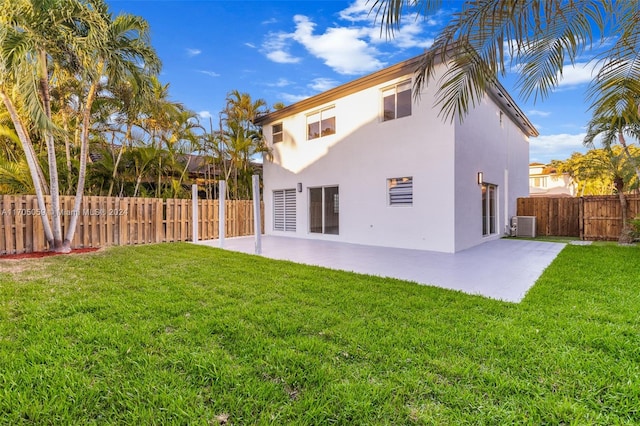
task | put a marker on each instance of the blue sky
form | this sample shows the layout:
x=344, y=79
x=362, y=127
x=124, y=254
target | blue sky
x=284, y=51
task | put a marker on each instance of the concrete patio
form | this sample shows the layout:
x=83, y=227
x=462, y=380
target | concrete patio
x=502, y=269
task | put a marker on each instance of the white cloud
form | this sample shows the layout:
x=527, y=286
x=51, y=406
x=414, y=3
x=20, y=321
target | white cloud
x=322, y=84
x=251, y=45
x=580, y=73
x=277, y=48
x=351, y=49
x=204, y=114
x=357, y=12
x=341, y=48
x=282, y=57
x=559, y=146
x=409, y=35
x=291, y=98
x=269, y=21
x=535, y=112
x=209, y=73
x=282, y=82
x=193, y=52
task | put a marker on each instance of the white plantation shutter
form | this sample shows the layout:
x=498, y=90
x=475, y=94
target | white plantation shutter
x=278, y=210
x=290, y=210
x=400, y=191
x=284, y=210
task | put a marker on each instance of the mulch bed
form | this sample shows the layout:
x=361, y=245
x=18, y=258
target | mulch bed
x=40, y=254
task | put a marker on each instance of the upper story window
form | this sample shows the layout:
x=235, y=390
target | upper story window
x=396, y=101
x=321, y=123
x=277, y=133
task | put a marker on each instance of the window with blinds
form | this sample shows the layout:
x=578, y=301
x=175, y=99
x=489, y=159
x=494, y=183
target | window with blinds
x=400, y=191
x=284, y=210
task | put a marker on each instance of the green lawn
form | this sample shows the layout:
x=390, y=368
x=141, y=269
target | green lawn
x=183, y=334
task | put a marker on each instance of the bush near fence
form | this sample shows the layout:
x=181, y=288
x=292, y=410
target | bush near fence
x=108, y=221
x=589, y=218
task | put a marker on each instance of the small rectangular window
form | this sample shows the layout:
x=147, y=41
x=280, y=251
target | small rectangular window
x=396, y=101
x=277, y=133
x=400, y=191
x=321, y=124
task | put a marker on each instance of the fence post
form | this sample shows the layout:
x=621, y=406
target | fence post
x=581, y=218
x=194, y=213
x=256, y=213
x=221, y=212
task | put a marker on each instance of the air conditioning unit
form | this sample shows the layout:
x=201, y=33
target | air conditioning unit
x=523, y=226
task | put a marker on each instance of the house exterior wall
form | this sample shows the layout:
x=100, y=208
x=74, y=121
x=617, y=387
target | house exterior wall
x=442, y=158
x=359, y=158
x=488, y=142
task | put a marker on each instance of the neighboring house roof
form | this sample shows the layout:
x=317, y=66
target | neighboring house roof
x=497, y=92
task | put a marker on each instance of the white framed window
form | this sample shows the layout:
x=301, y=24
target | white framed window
x=324, y=210
x=284, y=210
x=321, y=123
x=277, y=135
x=400, y=191
x=396, y=101
x=489, y=209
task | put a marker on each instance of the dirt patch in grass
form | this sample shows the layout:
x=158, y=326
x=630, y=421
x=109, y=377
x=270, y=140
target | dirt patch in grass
x=41, y=254
x=25, y=262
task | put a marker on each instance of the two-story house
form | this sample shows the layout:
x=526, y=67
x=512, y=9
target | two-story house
x=368, y=162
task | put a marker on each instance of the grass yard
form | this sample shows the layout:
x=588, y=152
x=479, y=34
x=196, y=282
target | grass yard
x=184, y=334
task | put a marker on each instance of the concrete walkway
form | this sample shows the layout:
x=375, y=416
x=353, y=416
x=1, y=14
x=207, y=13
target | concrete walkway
x=501, y=269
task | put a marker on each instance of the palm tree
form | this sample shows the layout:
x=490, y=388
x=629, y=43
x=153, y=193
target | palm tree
x=486, y=38
x=81, y=38
x=33, y=35
x=121, y=51
x=613, y=129
x=242, y=139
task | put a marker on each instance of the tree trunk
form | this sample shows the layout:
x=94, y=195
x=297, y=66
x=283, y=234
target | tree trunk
x=127, y=139
x=51, y=157
x=115, y=171
x=626, y=236
x=27, y=147
x=632, y=160
x=82, y=171
x=67, y=152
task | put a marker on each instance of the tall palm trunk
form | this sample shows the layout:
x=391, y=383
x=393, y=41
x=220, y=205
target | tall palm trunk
x=82, y=171
x=127, y=139
x=29, y=153
x=51, y=157
x=625, y=233
x=631, y=159
x=67, y=152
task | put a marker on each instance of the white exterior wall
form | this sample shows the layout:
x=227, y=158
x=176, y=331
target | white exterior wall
x=501, y=153
x=359, y=158
x=442, y=158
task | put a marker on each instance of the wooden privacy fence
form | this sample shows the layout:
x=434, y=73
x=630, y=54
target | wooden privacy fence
x=590, y=218
x=108, y=221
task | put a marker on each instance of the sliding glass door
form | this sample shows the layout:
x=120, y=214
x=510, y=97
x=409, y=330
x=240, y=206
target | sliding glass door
x=324, y=210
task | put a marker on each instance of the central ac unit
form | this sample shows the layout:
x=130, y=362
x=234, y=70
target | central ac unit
x=523, y=226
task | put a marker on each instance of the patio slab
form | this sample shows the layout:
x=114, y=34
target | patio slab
x=502, y=269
